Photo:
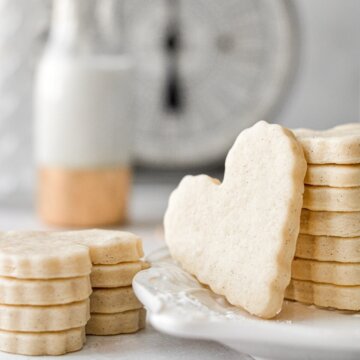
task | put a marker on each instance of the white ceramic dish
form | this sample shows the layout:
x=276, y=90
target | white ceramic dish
x=179, y=305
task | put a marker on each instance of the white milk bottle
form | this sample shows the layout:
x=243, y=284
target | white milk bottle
x=83, y=117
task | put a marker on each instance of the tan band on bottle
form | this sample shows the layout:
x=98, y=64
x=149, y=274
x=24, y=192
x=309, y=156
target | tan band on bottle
x=83, y=198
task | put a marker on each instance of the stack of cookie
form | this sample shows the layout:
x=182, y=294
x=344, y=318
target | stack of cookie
x=326, y=269
x=44, y=294
x=115, y=256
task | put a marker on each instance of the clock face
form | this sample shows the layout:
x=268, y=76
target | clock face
x=205, y=69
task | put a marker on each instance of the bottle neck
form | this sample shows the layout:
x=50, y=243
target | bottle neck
x=87, y=27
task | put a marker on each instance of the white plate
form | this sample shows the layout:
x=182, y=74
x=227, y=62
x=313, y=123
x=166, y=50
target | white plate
x=179, y=305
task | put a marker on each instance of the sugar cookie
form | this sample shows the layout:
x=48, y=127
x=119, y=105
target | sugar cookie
x=339, y=145
x=110, y=276
x=328, y=248
x=326, y=272
x=45, y=343
x=44, y=318
x=325, y=295
x=44, y=292
x=107, y=246
x=333, y=175
x=33, y=256
x=325, y=198
x=113, y=300
x=343, y=224
x=239, y=236
x=119, y=323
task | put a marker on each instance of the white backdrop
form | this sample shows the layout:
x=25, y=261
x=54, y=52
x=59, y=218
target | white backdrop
x=325, y=90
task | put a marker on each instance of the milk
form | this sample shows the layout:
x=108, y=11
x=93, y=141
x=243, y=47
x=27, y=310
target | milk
x=83, y=112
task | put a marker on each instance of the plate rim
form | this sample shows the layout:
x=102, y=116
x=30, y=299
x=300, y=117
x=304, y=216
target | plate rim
x=272, y=333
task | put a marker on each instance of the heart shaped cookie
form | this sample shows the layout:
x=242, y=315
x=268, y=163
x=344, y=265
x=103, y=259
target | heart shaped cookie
x=239, y=236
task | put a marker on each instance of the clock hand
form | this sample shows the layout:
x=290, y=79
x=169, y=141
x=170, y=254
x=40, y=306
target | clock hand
x=173, y=93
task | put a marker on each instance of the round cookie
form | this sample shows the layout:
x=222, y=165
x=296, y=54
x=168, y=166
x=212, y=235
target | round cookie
x=325, y=198
x=111, y=276
x=44, y=292
x=44, y=318
x=343, y=224
x=328, y=248
x=106, y=246
x=33, y=255
x=325, y=295
x=333, y=175
x=326, y=272
x=119, y=323
x=45, y=343
x=113, y=300
x=338, y=145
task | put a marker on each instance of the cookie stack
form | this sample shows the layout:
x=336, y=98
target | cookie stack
x=326, y=269
x=44, y=294
x=115, y=256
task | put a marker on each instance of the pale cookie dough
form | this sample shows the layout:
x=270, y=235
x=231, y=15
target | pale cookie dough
x=113, y=300
x=342, y=224
x=31, y=255
x=107, y=246
x=333, y=175
x=44, y=318
x=239, y=236
x=328, y=248
x=339, y=145
x=114, y=324
x=326, y=272
x=46, y=343
x=325, y=198
x=110, y=276
x=44, y=292
x=325, y=295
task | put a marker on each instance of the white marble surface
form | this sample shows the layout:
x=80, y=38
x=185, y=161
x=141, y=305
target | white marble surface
x=147, y=207
x=145, y=345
